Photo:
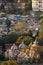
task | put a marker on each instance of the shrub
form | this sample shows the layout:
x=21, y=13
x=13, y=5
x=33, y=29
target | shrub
x=25, y=39
x=2, y=57
x=10, y=62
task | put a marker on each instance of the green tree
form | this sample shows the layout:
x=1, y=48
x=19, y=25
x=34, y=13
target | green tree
x=5, y=1
x=40, y=38
x=2, y=57
x=15, y=0
x=29, y=5
x=29, y=33
x=10, y=8
x=25, y=39
x=11, y=38
x=8, y=23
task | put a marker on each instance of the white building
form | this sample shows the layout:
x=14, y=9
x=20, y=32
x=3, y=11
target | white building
x=37, y=5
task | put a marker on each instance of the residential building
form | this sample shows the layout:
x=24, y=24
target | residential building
x=37, y=5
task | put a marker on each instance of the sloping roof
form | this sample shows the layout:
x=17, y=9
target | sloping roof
x=14, y=46
x=30, y=44
x=22, y=45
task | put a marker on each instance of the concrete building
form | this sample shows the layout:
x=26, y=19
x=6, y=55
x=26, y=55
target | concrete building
x=37, y=5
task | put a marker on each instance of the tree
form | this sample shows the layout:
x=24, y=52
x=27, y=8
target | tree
x=15, y=0
x=38, y=14
x=19, y=27
x=5, y=1
x=8, y=23
x=29, y=32
x=29, y=5
x=40, y=37
x=11, y=38
x=2, y=57
x=2, y=6
x=10, y=62
x=25, y=39
x=10, y=8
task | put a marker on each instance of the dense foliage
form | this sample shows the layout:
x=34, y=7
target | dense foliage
x=2, y=57
x=12, y=62
x=40, y=37
x=9, y=39
x=25, y=39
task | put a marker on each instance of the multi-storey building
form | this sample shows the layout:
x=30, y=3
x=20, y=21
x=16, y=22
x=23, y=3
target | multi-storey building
x=37, y=5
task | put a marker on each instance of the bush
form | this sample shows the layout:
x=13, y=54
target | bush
x=25, y=39
x=11, y=38
x=12, y=62
x=2, y=57
x=4, y=63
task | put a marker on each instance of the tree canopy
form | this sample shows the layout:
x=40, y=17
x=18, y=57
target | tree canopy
x=25, y=39
x=41, y=34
